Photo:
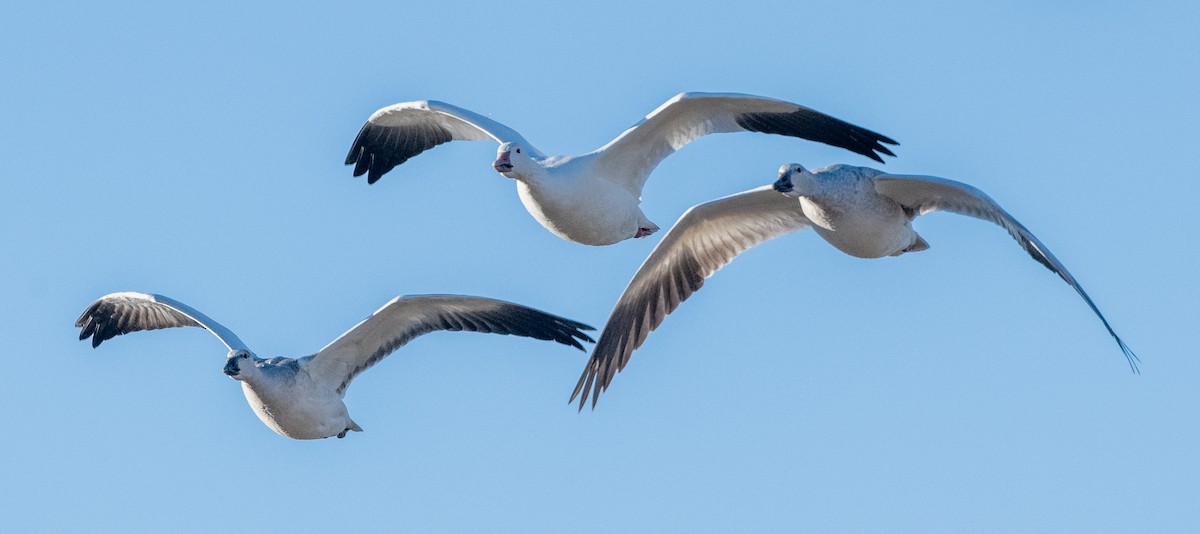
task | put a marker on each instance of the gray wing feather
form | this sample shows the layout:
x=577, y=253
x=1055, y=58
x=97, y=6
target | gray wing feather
x=707, y=237
x=924, y=194
x=408, y=317
x=117, y=314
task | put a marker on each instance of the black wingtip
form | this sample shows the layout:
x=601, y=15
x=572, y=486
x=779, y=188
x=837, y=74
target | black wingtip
x=379, y=149
x=362, y=164
x=1132, y=358
x=354, y=154
x=816, y=126
x=89, y=326
x=575, y=333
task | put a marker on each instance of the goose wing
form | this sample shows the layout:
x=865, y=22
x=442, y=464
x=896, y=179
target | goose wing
x=633, y=155
x=121, y=313
x=406, y=317
x=707, y=237
x=924, y=194
x=398, y=132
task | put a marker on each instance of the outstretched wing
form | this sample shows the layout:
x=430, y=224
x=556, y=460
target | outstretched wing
x=634, y=154
x=924, y=194
x=398, y=132
x=116, y=314
x=405, y=318
x=707, y=237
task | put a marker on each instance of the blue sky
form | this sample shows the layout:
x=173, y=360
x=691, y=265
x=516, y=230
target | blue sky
x=196, y=151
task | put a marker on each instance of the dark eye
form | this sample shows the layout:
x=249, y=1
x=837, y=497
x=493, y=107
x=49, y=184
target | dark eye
x=518, y=151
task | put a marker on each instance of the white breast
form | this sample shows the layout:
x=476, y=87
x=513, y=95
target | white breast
x=592, y=211
x=864, y=224
x=298, y=412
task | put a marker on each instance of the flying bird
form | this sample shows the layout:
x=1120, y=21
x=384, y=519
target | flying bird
x=301, y=398
x=860, y=211
x=594, y=198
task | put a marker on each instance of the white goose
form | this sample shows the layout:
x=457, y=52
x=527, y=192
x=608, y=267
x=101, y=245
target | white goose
x=860, y=211
x=593, y=198
x=301, y=398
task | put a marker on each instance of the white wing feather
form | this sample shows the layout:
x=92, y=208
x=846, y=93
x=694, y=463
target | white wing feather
x=406, y=317
x=633, y=155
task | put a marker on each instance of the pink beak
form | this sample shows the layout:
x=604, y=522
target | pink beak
x=502, y=163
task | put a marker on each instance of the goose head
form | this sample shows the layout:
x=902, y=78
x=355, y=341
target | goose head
x=241, y=365
x=794, y=180
x=514, y=160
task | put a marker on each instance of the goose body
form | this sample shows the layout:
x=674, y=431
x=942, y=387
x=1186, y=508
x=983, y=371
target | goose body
x=301, y=398
x=861, y=211
x=595, y=198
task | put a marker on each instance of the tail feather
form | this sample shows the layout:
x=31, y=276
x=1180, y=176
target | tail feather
x=917, y=246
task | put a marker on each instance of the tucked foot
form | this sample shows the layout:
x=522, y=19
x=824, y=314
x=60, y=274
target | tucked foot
x=643, y=232
x=342, y=434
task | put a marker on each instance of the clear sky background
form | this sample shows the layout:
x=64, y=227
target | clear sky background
x=195, y=150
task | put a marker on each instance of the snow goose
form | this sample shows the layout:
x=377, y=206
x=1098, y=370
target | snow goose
x=863, y=212
x=301, y=398
x=593, y=198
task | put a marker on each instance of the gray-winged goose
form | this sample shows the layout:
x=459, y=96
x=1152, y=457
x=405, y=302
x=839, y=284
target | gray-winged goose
x=301, y=398
x=594, y=198
x=860, y=211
